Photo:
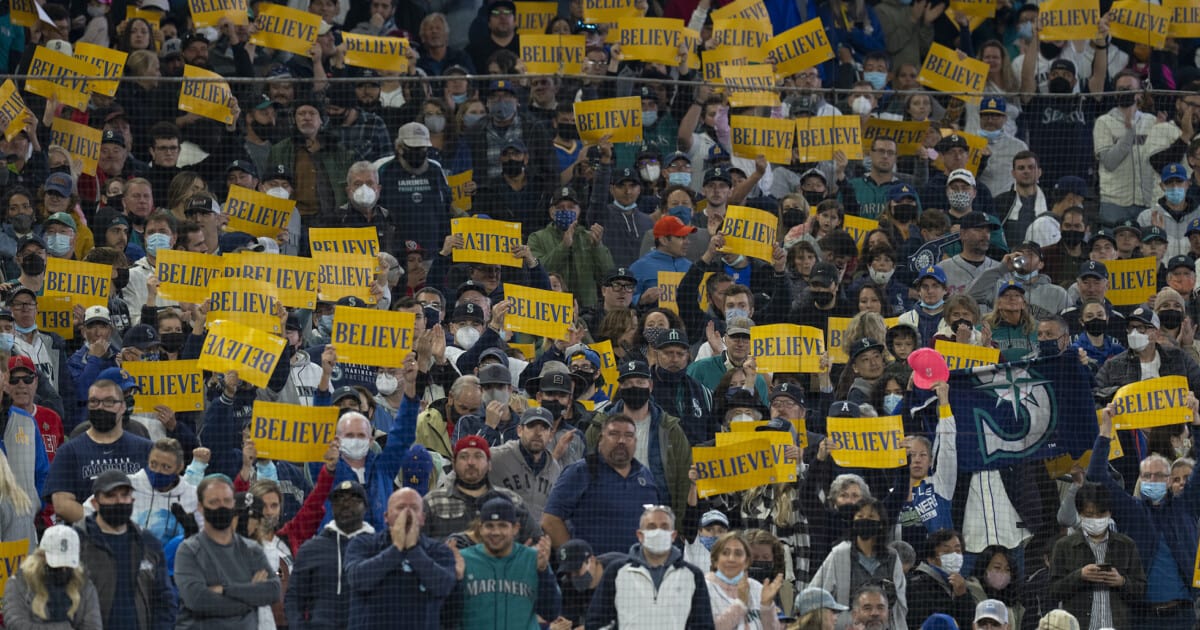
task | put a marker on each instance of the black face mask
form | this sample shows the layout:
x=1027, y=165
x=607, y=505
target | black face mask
x=102, y=420
x=668, y=376
x=555, y=408
x=960, y=322
x=568, y=132
x=414, y=156
x=761, y=570
x=1050, y=51
x=33, y=265
x=792, y=218
x=1072, y=238
x=173, y=342
x=813, y=197
x=512, y=168
x=471, y=486
x=22, y=223
x=823, y=299
x=866, y=528
x=269, y=133
x=137, y=221
x=1096, y=327
x=114, y=201
x=350, y=517
x=220, y=518
x=1171, y=320
x=1059, y=85
x=1126, y=98
x=116, y=514
x=846, y=513
x=635, y=397
x=905, y=212
x=1048, y=348
x=59, y=576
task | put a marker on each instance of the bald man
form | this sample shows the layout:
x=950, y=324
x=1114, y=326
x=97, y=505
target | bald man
x=399, y=565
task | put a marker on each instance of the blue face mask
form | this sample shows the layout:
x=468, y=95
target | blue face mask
x=995, y=134
x=679, y=179
x=161, y=481
x=24, y=330
x=325, y=322
x=683, y=213
x=58, y=244
x=564, y=218
x=934, y=306
x=1175, y=196
x=876, y=79
x=649, y=118
x=732, y=581
x=629, y=208
x=1154, y=490
x=266, y=470
x=6, y=341
x=891, y=402
x=1024, y=29
x=707, y=541
x=155, y=242
x=459, y=99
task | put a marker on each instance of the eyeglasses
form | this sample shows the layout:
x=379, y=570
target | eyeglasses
x=28, y=380
x=22, y=306
x=107, y=403
x=622, y=288
x=500, y=12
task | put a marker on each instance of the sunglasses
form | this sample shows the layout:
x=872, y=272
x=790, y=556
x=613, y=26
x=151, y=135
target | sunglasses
x=28, y=379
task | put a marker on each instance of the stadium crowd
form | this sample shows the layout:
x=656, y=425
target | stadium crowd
x=492, y=479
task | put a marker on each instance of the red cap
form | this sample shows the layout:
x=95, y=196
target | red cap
x=21, y=362
x=468, y=441
x=671, y=226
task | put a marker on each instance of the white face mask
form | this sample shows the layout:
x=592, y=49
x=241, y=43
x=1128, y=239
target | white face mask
x=951, y=562
x=742, y=417
x=495, y=395
x=278, y=192
x=861, y=105
x=650, y=173
x=656, y=540
x=386, y=384
x=355, y=448
x=466, y=337
x=1138, y=341
x=365, y=196
x=1094, y=526
x=881, y=277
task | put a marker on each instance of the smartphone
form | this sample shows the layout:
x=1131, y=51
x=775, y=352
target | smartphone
x=1104, y=567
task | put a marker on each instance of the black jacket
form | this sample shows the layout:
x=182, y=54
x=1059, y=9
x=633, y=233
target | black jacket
x=318, y=594
x=1067, y=586
x=1125, y=368
x=154, y=597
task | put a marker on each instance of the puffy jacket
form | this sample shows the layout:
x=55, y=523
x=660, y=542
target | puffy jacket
x=154, y=596
x=626, y=597
x=318, y=594
x=334, y=160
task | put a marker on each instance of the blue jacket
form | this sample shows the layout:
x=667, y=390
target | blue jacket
x=380, y=474
x=1174, y=520
x=318, y=594
x=390, y=588
x=646, y=269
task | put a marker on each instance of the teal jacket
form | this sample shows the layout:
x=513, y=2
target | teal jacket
x=507, y=593
x=709, y=372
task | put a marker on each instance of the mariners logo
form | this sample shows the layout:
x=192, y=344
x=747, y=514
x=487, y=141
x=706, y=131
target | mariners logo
x=1023, y=417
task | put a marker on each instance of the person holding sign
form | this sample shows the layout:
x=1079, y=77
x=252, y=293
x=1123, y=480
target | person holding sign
x=927, y=508
x=669, y=254
x=1145, y=358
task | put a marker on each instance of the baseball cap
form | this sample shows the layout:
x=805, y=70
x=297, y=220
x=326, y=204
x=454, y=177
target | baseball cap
x=498, y=509
x=1029, y=247
x=1128, y=226
x=554, y=377
x=351, y=300
x=171, y=48
x=350, y=487
x=630, y=369
x=714, y=516
x=620, y=273
x=1192, y=228
x=1092, y=269
x=120, y=377
x=961, y=175
x=993, y=105
x=678, y=155
x=501, y=85
x=1106, y=234
x=1173, y=172
x=564, y=192
x=537, y=414
x=494, y=353
x=203, y=202
x=494, y=374
x=626, y=175
x=572, y=555
x=1070, y=184
x=413, y=134
x=1153, y=233
x=823, y=274
x=112, y=137
x=417, y=469
x=1145, y=316
x=468, y=311
x=991, y=609
x=61, y=545
x=953, y=141
x=470, y=285
x=844, y=409
x=110, y=480
x=791, y=390
x=1009, y=284
x=231, y=242
x=739, y=326
x=96, y=313
x=246, y=166
x=21, y=362
x=1063, y=64
x=60, y=46
x=902, y=191
x=863, y=345
x=673, y=337
x=815, y=598
x=670, y=225
x=472, y=441
x=939, y=621
x=293, y=322
x=142, y=337
x=514, y=144
x=278, y=171
x=814, y=172
x=59, y=184
x=718, y=173
x=976, y=219
x=22, y=290
x=342, y=393
x=1181, y=261
x=61, y=218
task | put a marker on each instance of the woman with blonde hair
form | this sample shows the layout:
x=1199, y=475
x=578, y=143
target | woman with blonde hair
x=816, y=609
x=51, y=589
x=738, y=600
x=16, y=508
x=181, y=188
x=1001, y=81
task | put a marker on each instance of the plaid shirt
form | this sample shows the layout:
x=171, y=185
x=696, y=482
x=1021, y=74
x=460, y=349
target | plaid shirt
x=368, y=137
x=760, y=514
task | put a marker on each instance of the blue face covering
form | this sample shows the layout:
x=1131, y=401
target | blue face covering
x=679, y=179
x=891, y=402
x=1175, y=196
x=876, y=79
x=155, y=242
x=325, y=322
x=732, y=581
x=160, y=481
x=1154, y=490
x=683, y=213
x=934, y=306
x=707, y=541
x=266, y=470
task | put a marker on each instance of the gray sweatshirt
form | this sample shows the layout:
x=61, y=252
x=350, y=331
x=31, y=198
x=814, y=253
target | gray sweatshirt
x=200, y=562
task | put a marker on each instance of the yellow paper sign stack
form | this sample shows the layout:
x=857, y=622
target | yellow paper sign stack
x=293, y=433
x=205, y=94
x=487, y=241
x=619, y=117
x=538, y=312
x=368, y=336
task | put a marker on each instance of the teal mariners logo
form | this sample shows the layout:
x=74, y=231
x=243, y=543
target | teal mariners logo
x=1021, y=417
